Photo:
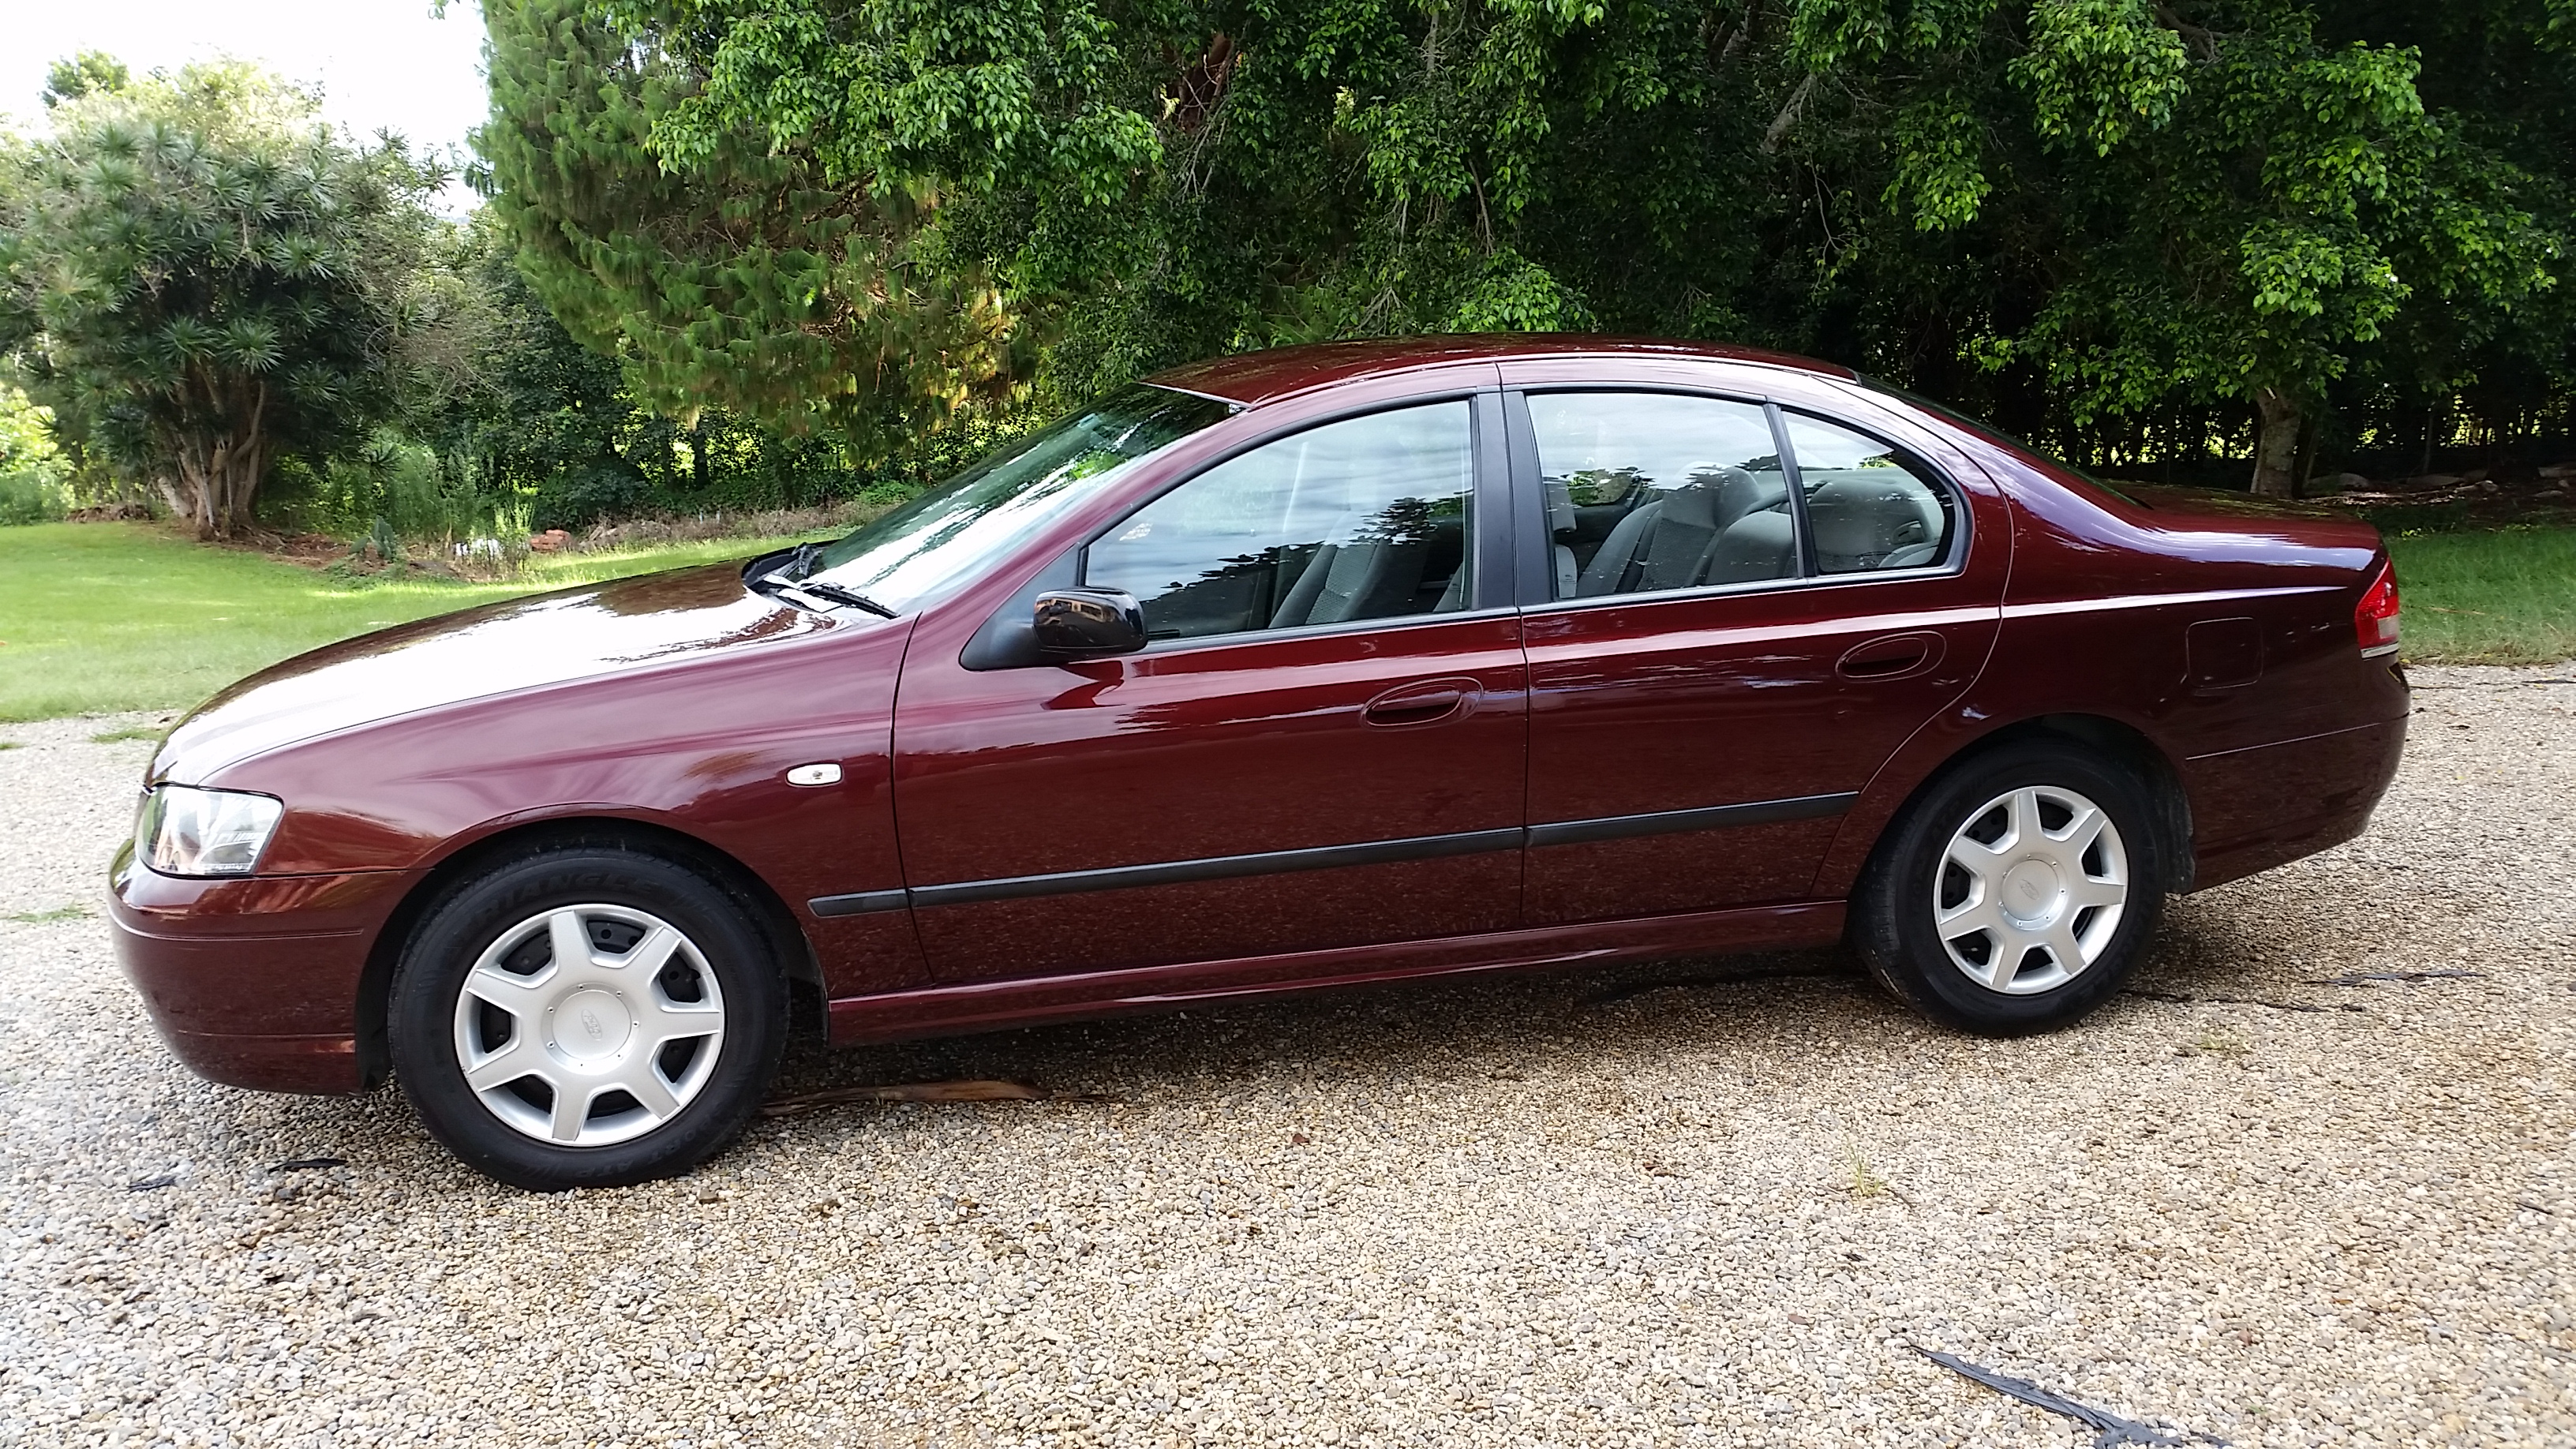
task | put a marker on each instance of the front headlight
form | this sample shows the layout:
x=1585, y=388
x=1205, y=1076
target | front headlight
x=188, y=831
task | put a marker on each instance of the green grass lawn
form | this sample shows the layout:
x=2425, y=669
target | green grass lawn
x=122, y=616
x=2490, y=596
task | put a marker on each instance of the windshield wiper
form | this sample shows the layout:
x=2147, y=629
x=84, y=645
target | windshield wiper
x=824, y=589
x=816, y=595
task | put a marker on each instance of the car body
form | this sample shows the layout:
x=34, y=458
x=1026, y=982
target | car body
x=1519, y=773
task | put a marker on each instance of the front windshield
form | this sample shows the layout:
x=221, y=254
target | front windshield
x=953, y=530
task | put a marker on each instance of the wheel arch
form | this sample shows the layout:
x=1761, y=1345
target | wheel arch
x=2115, y=740
x=2131, y=746
x=767, y=910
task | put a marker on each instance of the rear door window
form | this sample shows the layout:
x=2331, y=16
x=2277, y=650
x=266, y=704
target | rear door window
x=1870, y=506
x=1647, y=492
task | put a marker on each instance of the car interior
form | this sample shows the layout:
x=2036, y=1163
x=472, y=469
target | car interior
x=1369, y=518
x=1364, y=519
x=1616, y=526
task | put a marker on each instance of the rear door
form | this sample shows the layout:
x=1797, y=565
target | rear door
x=1323, y=747
x=1741, y=613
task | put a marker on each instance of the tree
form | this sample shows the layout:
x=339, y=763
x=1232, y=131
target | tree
x=725, y=272
x=2086, y=214
x=92, y=72
x=2210, y=199
x=197, y=276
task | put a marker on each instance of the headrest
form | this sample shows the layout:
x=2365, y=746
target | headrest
x=1696, y=503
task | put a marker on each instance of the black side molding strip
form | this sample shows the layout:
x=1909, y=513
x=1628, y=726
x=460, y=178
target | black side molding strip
x=864, y=903
x=1712, y=817
x=1327, y=857
x=1217, y=867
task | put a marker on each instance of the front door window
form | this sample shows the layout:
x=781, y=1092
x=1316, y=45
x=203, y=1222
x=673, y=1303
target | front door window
x=1368, y=518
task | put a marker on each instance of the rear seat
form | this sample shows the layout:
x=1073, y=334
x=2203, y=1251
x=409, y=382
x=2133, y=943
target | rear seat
x=1721, y=527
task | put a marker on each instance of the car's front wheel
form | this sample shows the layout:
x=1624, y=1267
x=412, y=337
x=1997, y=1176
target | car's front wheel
x=2016, y=894
x=586, y=1017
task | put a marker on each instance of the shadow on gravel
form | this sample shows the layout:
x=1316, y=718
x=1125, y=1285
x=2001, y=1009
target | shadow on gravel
x=1419, y=1036
x=1419, y=1032
x=1430, y=1032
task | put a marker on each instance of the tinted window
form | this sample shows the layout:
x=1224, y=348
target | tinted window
x=1364, y=519
x=1649, y=491
x=1868, y=505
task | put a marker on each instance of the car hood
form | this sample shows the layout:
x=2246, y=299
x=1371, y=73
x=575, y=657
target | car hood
x=651, y=621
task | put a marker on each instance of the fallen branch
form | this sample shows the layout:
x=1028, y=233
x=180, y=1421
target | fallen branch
x=2411, y=978
x=904, y=1092
x=2110, y=1428
x=2180, y=999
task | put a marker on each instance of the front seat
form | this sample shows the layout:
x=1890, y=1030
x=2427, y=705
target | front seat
x=1363, y=579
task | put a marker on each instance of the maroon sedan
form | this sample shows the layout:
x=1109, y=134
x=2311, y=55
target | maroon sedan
x=1330, y=665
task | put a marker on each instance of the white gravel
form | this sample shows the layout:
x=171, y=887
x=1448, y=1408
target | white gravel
x=1508, y=1212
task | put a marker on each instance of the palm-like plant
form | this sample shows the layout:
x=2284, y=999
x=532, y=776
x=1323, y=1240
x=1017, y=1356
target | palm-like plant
x=198, y=276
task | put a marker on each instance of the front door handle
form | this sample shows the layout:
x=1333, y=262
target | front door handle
x=1892, y=656
x=1427, y=702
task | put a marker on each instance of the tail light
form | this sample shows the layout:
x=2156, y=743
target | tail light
x=2374, y=619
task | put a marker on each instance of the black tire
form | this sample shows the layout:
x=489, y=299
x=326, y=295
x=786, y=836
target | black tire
x=1892, y=922
x=720, y=938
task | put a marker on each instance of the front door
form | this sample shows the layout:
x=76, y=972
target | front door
x=1749, y=610
x=1323, y=746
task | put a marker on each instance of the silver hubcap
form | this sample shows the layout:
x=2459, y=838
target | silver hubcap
x=589, y=1025
x=2030, y=890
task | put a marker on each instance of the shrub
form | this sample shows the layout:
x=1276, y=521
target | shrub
x=31, y=469
x=395, y=481
x=30, y=495
x=589, y=493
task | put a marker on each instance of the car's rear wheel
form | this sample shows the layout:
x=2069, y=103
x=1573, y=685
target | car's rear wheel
x=586, y=1017
x=2016, y=894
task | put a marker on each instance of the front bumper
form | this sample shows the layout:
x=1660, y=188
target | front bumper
x=253, y=983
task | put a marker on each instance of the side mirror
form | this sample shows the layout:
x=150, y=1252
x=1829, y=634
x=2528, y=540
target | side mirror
x=1088, y=623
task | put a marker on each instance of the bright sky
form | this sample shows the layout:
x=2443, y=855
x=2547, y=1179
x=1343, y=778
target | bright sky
x=379, y=63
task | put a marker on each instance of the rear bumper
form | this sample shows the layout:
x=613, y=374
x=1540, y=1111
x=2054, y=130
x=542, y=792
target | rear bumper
x=253, y=983
x=2257, y=808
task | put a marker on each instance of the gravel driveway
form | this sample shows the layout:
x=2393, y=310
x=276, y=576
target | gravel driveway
x=2272, y=1197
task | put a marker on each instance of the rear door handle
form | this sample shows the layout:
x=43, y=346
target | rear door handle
x=1892, y=656
x=1425, y=702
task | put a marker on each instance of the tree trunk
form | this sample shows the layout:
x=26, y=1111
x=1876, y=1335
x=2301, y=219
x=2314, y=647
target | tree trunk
x=2276, y=444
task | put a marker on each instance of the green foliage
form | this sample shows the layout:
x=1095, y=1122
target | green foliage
x=2087, y=216
x=589, y=493
x=2098, y=70
x=720, y=269
x=31, y=467
x=393, y=480
x=199, y=278
x=92, y=72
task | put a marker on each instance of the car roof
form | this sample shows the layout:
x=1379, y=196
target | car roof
x=1254, y=378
